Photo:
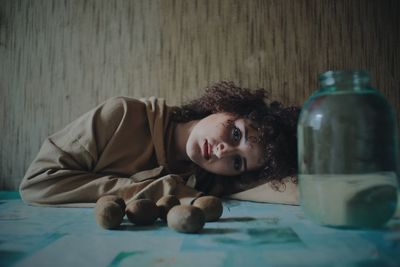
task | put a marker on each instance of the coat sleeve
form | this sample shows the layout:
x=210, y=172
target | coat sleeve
x=63, y=173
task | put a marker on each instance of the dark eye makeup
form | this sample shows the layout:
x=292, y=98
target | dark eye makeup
x=236, y=134
x=237, y=163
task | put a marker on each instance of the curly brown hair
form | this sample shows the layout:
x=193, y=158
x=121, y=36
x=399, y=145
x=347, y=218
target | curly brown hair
x=275, y=123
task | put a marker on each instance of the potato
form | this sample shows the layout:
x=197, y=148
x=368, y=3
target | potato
x=186, y=219
x=211, y=206
x=142, y=212
x=119, y=200
x=165, y=203
x=109, y=214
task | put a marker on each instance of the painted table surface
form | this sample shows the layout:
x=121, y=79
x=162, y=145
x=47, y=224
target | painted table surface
x=248, y=234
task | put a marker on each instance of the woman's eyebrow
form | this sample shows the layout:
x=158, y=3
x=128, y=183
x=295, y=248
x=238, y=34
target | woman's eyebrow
x=246, y=137
x=245, y=165
x=246, y=130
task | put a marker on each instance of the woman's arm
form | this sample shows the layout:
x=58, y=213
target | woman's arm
x=64, y=169
x=88, y=159
x=265, y=193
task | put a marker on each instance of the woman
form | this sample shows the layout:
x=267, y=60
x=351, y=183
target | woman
x=229, y=140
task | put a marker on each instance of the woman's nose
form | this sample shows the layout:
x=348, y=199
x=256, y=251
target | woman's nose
x=223, y=150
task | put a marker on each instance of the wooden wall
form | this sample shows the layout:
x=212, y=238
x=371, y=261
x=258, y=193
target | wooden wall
x=60, y=58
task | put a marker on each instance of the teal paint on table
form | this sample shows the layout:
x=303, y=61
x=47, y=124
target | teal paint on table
x=248, y=234
x=9, y=195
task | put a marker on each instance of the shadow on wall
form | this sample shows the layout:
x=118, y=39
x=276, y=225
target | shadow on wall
x=3, y=29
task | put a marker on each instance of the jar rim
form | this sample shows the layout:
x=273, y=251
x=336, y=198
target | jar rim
x=331, y=77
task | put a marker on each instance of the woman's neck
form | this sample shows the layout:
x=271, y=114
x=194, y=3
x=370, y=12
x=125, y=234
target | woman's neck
x=180, y=137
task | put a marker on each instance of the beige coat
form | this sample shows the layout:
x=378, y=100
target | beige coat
x=117, y=148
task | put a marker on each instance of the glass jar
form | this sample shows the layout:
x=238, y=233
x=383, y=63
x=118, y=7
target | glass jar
x=347, y=153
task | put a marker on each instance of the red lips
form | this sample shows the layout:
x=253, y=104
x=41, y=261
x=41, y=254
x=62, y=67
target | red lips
x=206, y=150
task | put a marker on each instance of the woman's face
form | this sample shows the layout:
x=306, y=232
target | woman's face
x=224, y=144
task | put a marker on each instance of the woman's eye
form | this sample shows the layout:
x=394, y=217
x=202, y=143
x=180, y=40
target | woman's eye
x=237, y=163
x=236, y=134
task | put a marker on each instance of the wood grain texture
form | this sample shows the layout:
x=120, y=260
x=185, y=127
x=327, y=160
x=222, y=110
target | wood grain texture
x=59, y=59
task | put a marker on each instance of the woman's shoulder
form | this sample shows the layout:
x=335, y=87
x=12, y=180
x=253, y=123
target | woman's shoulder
x=116, y=110
x=151, y=102
x=123, y=104
x=124, y=108
x=122, y=101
